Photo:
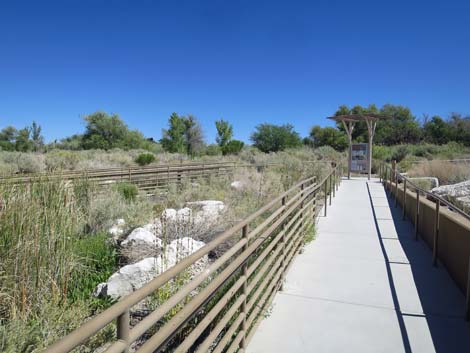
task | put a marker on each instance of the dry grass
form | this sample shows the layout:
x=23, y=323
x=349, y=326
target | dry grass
x=446, y=172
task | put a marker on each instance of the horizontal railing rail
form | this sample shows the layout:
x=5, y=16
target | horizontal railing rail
x=387, y=172
x=230, y=295
x=452, y=247
x=145, y=178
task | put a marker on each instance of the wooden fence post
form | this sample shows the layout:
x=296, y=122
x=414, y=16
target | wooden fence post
x=326, y=194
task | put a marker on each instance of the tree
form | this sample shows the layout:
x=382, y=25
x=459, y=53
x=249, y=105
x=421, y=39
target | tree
x=105, y=131
x=36, y=137
x=224, y=132
x=233, y=147
x=173, y=138
x=8, y=137
x=23, y=143
x=184, y=135
x=402, y=128
x=273, y=138
x=328, y=136
x=194, y=139
x=437, y=130
x=460, y=128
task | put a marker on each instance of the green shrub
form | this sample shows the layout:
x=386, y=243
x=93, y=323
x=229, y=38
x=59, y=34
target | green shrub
x=400, y=153
x=213, y=150
x=232, y=147
x=144, y=159
x=98, y=261
x=128, y=191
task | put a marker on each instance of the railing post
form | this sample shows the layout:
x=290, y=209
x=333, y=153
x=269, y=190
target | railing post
x=283, y=244
x=467, y=301
x=396, y=189
x=326, y=194
x=244, y=291
x=417, y=215
x=314, y=203
x=404, y=198
x=330, y=178
x=123, y=328
x=380, y=172
x=334, y=183
x=436, y=234
x=302, y=186
x=130, y=175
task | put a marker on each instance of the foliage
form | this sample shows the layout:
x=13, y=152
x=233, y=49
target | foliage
x=232, y=147
x=37, y=226
x=224, y=132
x=184, y=135
x=328, y=136
x=23, y=140
x=128, y=191
x=105, y=132
x=145, y=159
x=213, y=150
x=401, y=128
x=98, y=260
x=273, y=138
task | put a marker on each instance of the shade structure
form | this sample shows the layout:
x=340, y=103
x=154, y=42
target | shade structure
x=348, y=121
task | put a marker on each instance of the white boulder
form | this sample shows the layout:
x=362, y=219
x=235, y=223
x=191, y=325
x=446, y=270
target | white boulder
x=129, y=278
x=132, y=277
x=455, y=190
x=142, y=235
x=209, y=212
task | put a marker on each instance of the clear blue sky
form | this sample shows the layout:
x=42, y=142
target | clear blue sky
x=246, y=61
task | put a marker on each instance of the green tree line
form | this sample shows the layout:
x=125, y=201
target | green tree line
x=184, y=134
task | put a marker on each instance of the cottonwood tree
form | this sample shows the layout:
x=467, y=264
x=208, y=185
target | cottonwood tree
x=224, y=138
x=184, y=135
x=273, y=138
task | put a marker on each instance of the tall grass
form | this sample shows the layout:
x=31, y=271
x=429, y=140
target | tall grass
x=37, y=224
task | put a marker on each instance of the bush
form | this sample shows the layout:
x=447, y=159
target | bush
x=232, y=147
x=273, y=138
x=61, y=160
x=128, y=191
x=213, y=150
x=145, y=159
x=98, y=261
x=400, y=153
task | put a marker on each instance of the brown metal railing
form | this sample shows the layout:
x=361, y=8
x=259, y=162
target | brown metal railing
x=229, y=296
x=144, y=177
x=410, y=192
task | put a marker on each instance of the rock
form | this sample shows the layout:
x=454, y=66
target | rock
x=134, y=276
x=129, y=278
x=141, y=243
x=118, y=228
x=456, y=190
x=237, y=185
x=209, y=213
x=154, y=227
x=169, y=214
x=142, y=235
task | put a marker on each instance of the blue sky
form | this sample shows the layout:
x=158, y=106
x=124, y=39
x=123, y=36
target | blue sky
x=246, y=61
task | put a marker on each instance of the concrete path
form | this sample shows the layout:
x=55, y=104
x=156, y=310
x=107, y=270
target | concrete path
x=365, y=285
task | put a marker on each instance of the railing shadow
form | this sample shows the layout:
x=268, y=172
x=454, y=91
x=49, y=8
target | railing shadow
x=428, y=304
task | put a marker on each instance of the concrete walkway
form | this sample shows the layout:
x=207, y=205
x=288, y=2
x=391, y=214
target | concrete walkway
x=365, y=285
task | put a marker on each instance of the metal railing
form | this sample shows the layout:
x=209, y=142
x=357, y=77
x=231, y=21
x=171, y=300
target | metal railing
x=391, y=178
x=219, y=309
x=145, y=178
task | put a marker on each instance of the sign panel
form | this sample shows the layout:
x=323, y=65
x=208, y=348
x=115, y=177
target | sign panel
x=359, y=160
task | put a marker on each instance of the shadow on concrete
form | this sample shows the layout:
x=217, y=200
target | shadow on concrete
x=428, y=304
